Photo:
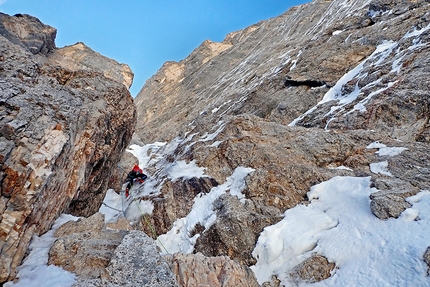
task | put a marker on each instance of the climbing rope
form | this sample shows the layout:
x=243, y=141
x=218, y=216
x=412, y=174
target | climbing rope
x=150, y=226
x=141, y=212
x=111, y=207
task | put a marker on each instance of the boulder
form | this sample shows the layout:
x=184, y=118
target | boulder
x=109, y=256
x=194, y=270
x=85, y=247
x=388, y=205
x=312, y=270
x=136, y=262
x=233, y=217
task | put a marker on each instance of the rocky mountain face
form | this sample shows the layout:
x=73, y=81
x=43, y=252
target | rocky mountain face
x=63, y=127
x=298, y=98
x=324, y=90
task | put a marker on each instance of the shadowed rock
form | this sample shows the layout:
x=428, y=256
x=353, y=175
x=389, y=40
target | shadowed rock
x=61, y=134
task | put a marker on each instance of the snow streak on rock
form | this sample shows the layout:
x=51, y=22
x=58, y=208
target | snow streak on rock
x=179, y=238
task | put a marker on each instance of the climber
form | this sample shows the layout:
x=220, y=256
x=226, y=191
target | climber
x=135, y=174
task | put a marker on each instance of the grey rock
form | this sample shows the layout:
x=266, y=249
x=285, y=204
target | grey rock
x=388, y=205
x=233, y=218
x=426, y=258
x=274, y=282
x=194, y=270
x=136, y=262
x=28, y=32
x=312, y=270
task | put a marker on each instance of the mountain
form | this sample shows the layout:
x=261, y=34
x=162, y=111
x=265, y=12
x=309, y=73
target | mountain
x=293, y=153
x=329, y=89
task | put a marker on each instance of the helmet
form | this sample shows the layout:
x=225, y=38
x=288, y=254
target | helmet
x=136, y=168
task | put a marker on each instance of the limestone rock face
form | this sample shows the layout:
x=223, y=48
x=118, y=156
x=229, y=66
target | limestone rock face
x=298, y=98
x=282, y=67
x=193, y=270
x=28, y=32
x=61, y=134
x=81, y=57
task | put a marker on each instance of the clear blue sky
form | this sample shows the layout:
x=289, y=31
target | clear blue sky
x=146, y=33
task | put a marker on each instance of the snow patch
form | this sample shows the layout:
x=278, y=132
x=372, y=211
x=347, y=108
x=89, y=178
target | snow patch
x=146, y=153
x=216, y=144
x=182, y=169
x=112, y=206
x=209, y=137
x=137, y=209
x=380, y=168
x=386, y=151
x=35, y=270
x=343, y=168
x=417, y=32
x=339, y=225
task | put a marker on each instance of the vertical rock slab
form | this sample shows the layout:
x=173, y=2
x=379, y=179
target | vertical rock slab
x=62, y=133
x=218, y=271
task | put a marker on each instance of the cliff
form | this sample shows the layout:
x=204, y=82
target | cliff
x=298, y=99
x=62, y=131
x=294, y=153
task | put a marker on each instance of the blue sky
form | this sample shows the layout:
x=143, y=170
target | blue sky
x=142, y=33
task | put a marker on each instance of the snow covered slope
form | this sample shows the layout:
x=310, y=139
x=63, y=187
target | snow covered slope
x=326, y=108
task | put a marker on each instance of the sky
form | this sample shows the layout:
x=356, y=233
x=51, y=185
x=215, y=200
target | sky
x=145, y=34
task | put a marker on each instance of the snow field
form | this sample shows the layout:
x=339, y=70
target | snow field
x=338, y=224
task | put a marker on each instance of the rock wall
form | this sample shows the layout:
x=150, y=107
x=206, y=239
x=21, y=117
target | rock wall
x=298, y=98
x=280, y=68
x=62, y=133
